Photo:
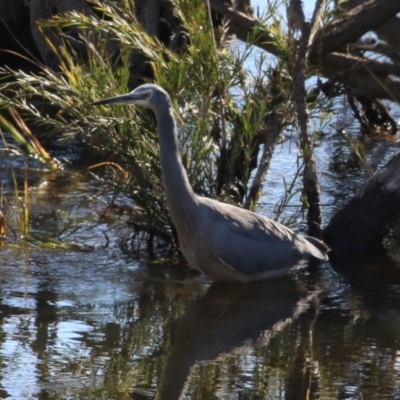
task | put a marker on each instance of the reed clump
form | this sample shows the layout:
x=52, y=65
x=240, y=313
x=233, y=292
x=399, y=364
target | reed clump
x=219, y=106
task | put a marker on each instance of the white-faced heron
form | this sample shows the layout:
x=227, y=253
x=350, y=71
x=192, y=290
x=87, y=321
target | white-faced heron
x=225, y=242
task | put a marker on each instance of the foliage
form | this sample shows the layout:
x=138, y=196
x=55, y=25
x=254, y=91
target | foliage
x=203, y=81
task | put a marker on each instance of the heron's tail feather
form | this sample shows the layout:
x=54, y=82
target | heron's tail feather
x=318, y=249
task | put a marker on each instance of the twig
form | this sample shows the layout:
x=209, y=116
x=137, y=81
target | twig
x=271, y=136
x=311, y=192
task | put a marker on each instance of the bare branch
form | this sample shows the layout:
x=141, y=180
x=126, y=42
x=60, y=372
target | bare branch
x=368, y=86
x=243, y=25
x=311, y=191
x=315, y=27
x=271, y=137
x=382, y=85
x=334, y=62
x=388, y=32
x=353, y=24
x=378, y=47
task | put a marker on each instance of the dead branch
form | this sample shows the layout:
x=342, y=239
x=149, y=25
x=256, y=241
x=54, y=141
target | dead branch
x=353, y=24
x=300, y=50
x=358, y=69
x=334, y=62
x=360, y=116
x=271, y=137
x=368, y=86
x=243, y=25
x=388, y=32
x=315, y=27
x=371, y=45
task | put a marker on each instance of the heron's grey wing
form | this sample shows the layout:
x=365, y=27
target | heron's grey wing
x=251, y=243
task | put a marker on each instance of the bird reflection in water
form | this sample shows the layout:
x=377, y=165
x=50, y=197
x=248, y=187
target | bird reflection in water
x=228, y=318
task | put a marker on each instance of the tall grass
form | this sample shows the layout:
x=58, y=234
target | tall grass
x=217, y=108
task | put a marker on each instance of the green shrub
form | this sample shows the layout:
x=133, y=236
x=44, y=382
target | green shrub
x=217, y=108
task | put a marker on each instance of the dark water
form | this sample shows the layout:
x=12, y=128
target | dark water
x=79, y=325
x=91, y=323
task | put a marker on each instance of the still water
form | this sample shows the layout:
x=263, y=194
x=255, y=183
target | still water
x=93, y=323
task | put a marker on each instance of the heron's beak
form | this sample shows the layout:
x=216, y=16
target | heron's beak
x=128, y=98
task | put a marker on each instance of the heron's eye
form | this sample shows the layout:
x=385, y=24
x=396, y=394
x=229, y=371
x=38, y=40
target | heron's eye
x=146, y=95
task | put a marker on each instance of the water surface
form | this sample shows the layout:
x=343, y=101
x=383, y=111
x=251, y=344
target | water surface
x=89, y=322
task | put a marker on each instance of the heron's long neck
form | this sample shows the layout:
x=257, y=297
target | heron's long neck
x=180, y=196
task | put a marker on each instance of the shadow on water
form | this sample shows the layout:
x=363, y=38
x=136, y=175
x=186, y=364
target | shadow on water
x=357, y=332
x=374, y=277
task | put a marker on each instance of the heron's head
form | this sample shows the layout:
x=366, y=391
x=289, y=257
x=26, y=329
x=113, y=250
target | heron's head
x=147, y=95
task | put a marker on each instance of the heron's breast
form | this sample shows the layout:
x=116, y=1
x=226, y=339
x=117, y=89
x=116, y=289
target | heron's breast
x=188, y=249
